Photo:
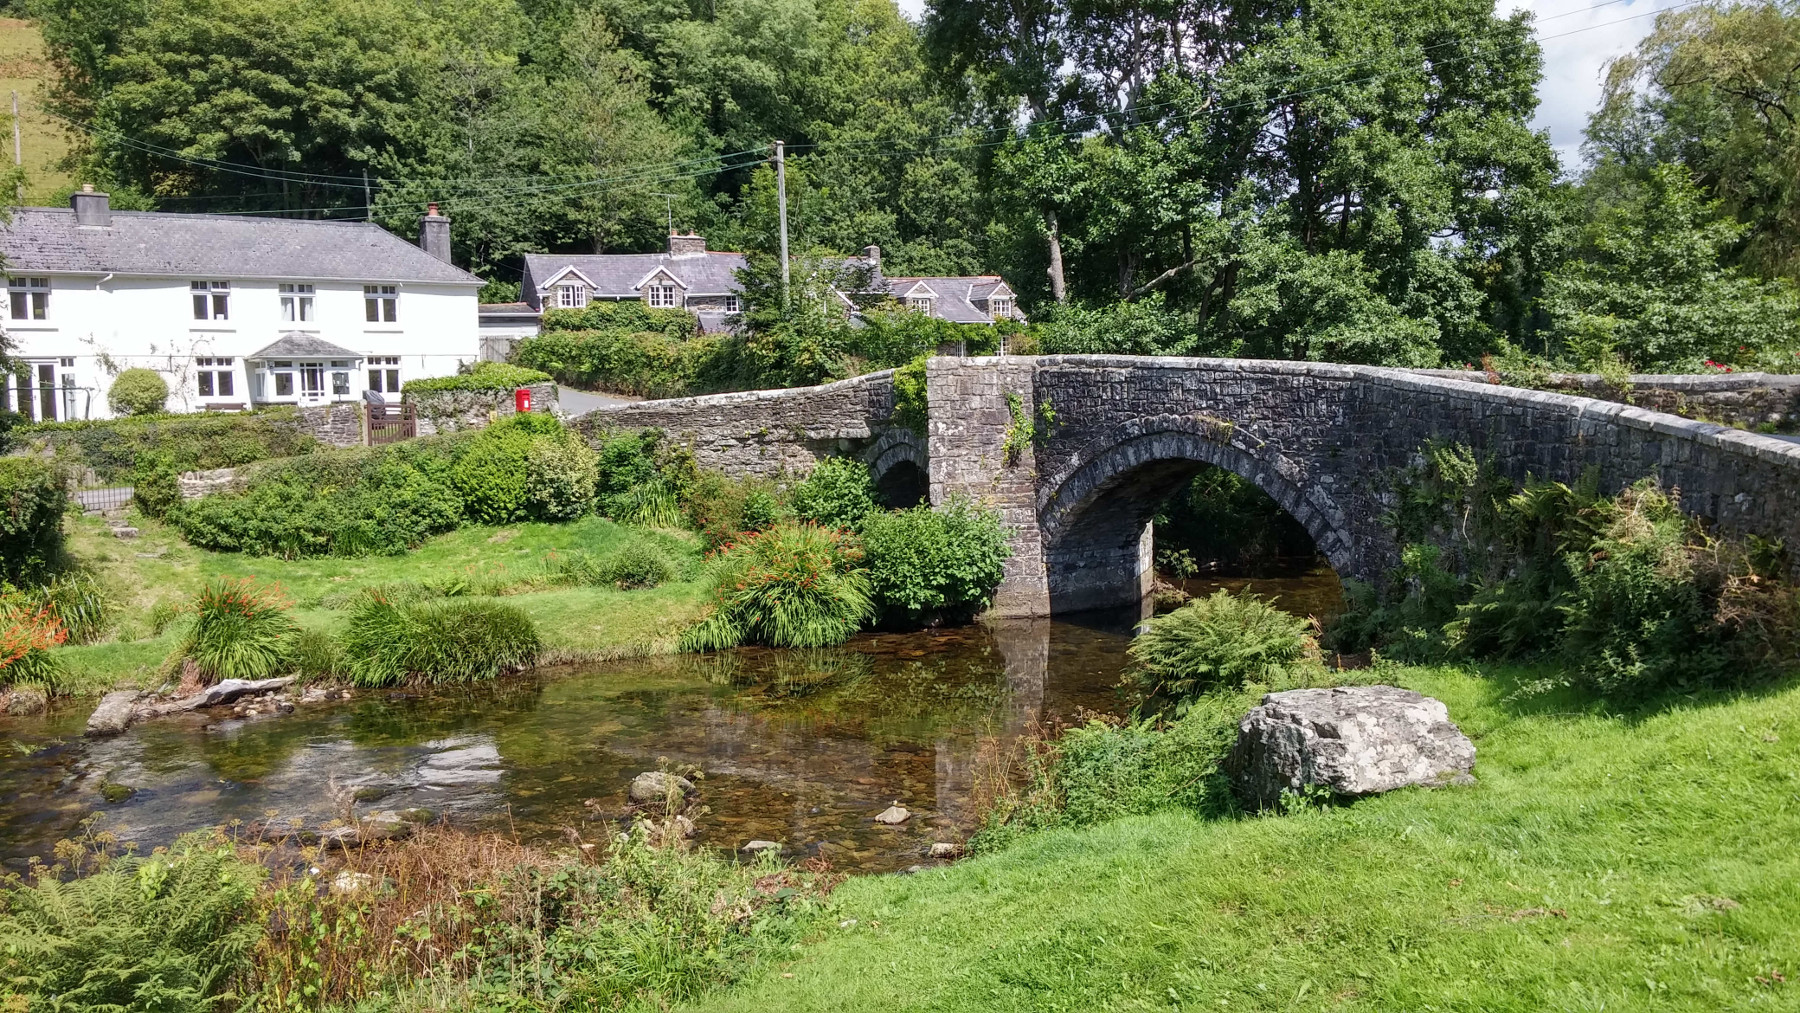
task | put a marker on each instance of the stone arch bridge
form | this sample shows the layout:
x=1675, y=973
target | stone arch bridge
x=1327, y=442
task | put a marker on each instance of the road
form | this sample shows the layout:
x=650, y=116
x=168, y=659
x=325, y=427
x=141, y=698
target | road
x=580, y=402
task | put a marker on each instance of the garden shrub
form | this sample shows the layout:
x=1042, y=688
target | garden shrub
x=241, y=630
x=628, y=349
x=722, y=509
x=316, y=656
x=156, y=487
x=1221, y=641
x=75, y=600
x=492, y=376
x=928, y=564
x=28, y=635
x=1103, y=771
x=643, y=478
x=138, y=392
x=638, y=565
x=33, y=496
x=172, y=932
x=453, y=640
x=117, y=449
x=838, y=494
x=795, y=585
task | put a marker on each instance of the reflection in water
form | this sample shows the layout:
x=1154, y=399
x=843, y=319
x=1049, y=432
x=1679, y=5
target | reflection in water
x=803, y=747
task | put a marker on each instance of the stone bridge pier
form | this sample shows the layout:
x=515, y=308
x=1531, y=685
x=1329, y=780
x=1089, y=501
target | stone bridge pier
x=1329, y=443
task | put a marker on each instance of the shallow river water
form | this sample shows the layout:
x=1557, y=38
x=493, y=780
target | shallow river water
x=801, y=747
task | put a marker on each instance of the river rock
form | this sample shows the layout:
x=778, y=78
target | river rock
x=945, y=849
x=755, y=847
x=653, y=788
x=116, y=712
x=228, y=690
x=893, y=815
x=1352, y=740
x=21, y=701
x=351, y=882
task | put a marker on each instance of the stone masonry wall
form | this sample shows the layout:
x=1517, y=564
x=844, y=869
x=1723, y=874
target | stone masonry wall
x=339, y=425
x=448, y=411
x=763, y=433
x=1742, y=400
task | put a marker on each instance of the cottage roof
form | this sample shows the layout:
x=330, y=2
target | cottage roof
x=297, y=345
x=620, y=275
x=953, y=298
x=159, y=244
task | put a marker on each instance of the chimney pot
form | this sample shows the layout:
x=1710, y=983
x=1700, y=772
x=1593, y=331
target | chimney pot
x=689, y=245
x=434, y=233
x=92, y=208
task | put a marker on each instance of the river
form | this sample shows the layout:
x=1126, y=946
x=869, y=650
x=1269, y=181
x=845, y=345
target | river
x=801, y=747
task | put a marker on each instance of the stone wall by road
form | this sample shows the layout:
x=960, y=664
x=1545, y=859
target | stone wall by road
x=1741, y=400
x=448, y=411
x=763, y=432
x=339, y=425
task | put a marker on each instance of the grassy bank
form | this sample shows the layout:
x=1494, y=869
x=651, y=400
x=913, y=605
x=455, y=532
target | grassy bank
x=1636, y=861
x=158, y=570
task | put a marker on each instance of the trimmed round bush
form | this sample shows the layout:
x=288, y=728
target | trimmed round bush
x=795, y=585
x=1218, y=642
x=450, y=640
x=927, y=564
x=138, y=392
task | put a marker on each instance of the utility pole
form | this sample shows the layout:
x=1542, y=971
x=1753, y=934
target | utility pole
x=781, y=206
x=368, y=198
x=18, y=148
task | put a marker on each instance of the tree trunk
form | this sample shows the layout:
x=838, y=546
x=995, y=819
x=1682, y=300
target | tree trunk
x=1059, y=290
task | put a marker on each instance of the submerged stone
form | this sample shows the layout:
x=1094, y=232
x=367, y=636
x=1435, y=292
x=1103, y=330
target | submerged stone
x=654, y=787
x=893, y=815
x=1350, y=740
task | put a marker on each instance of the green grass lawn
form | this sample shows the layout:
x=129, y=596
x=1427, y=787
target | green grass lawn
x=577, y=623
x=1601, y=862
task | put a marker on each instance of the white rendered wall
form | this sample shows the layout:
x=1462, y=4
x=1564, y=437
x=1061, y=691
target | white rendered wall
x=106, y=325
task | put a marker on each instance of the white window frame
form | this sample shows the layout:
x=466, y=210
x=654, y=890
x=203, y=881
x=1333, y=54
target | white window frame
x=381, y=304
x=384, y=373
x=297, y=303
x=571, y=295
x=733, y=304
x=215, y=376
x=212, y=300
x=663, y=295
x=1002, y=307
x=922, y=303
x=29, y=298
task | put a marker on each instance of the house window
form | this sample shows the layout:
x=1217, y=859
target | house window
x=284, y=378
x=340, y=378
x=571, y=297
x=381, y=303
x=384, y=374
x=297, y=304
x=1002, y=308
x=922, y=303
x=214, y=377
x=30, y=298
x=731, y=304
x=662, y=296
x=212, y=300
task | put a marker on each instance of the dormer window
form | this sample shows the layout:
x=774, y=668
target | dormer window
x=922, y=303
x=1002, y=308
x=662, y=295
x=571, y=296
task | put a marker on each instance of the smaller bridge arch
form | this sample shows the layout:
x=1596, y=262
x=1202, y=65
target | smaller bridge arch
x=898, y=465
x=1095, y=513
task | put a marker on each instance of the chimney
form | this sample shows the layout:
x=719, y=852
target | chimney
x=434, y=233
x=686, y=246
x=91, y=207
x=872, y=254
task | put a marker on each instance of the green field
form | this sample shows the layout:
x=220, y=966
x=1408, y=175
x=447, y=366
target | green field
x=44, y=140
x=1602, y=862
x=577, y=623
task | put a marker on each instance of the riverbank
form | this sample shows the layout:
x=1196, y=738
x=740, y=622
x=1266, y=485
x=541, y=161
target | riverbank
x=1603, y=860
x=151, y=574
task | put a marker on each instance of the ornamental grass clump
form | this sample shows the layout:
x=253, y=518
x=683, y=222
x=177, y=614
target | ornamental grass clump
x=441, y=641
x=27, y=636
x=794, y=585
x=1218, y=642
x=241, y=630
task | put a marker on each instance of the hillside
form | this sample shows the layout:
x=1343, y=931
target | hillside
x=23, y=68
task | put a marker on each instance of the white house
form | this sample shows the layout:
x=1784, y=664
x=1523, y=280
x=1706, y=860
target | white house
x=234, y=311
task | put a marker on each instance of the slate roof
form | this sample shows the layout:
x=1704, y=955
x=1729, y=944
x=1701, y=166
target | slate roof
x=158, y=244
x=506, y=309
x=955, y=297
x=616, y=275
x=296, y=345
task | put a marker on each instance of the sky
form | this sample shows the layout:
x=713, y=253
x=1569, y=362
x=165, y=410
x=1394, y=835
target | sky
x=1578, y=37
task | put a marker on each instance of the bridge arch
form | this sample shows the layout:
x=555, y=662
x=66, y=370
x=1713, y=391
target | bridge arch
x=899, y=464
x=1095, y=513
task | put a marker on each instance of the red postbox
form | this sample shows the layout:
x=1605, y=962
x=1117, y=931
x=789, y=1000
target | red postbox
x=522, y=399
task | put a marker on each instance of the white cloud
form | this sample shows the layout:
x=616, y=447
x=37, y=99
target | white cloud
x=1578, y=37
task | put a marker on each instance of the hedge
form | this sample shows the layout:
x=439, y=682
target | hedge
x=484, y=376
x=115, y=448
x=33, y=495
